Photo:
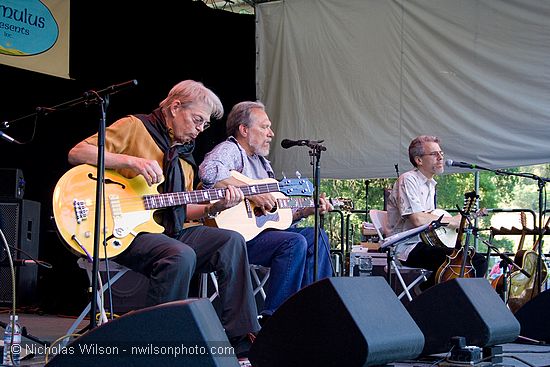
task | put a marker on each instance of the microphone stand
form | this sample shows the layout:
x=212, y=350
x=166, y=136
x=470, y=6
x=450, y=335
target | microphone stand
x=100, y=183
x=101, y=98
x=315, y=158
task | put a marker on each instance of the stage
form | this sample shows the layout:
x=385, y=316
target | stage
x=49, y=328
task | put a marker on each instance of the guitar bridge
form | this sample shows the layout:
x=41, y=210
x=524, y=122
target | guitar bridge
x=80, y=210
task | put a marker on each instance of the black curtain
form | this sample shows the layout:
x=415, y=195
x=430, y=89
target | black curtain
x=112, y=42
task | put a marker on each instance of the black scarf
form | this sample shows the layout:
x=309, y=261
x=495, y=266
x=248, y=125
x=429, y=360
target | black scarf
x=174, y=180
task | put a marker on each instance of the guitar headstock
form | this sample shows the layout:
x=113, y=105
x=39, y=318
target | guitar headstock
x=523, y=219
x=470, y=201
x=296, y=187
x=341, y=204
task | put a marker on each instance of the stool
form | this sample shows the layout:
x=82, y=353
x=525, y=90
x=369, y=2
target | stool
x=113, y=266
x=258, y=282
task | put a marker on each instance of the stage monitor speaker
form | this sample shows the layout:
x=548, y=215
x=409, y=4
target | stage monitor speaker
x=20, y=223
x=354, y=321
x=467, y=307
x=180, y=333
x=533, y=318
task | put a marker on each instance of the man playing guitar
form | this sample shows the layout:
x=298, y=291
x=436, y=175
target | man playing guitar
x=411, y=204
x=288, y=252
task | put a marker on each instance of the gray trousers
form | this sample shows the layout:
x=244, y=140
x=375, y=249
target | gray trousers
x=169, y=264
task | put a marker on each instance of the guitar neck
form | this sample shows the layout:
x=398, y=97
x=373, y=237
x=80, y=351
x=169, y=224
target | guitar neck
x=200, y=196
x=287, y=203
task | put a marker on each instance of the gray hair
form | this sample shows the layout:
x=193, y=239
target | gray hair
x=416, y=148
x=189, y=92
x=240, y=115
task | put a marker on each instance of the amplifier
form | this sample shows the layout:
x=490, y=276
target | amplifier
x=12, y=183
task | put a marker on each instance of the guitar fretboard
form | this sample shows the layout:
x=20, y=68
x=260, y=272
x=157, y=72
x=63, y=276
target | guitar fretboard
x=200, y=196
x=295, y=203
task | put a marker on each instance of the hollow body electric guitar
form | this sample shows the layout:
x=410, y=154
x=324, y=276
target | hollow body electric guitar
x=130, y=204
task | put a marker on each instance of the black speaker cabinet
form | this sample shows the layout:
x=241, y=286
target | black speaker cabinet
x=12, y=183
x=462, y=307
x=20, y=223
x=338, y=322
x=533, y=318
x=181, y=333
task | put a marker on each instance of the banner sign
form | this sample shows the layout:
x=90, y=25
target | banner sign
x=34, y=35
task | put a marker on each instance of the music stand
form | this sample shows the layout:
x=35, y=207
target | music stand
x=388, y=245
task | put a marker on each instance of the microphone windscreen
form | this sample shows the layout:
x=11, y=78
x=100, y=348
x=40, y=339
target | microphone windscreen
x=449, y=162
x=286, y=143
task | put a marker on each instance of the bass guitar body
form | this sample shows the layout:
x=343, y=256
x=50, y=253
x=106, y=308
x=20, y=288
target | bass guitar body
x=125, y=212
x=249, y=220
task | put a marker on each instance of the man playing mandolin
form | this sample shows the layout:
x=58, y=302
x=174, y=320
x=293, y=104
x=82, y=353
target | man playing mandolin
x=411, y=203
x=289, y=253
x=160, y=145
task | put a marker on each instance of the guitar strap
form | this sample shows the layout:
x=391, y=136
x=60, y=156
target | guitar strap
x=173, y=217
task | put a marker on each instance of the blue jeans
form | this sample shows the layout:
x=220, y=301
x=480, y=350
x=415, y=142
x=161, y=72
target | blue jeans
x=289, y=254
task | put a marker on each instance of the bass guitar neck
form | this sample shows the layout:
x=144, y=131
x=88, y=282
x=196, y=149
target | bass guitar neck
x=129, y=206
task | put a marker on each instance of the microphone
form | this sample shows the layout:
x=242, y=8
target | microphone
x=451, y=163
x=287, y=143
x=111, y=89
x=7, y=137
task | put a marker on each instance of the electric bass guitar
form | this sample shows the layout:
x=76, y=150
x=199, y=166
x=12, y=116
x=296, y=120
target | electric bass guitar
x=249, y=220
x=129, y=206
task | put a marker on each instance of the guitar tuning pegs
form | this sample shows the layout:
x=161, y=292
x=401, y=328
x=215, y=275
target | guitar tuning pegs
x=284, y=174
x=298, y=174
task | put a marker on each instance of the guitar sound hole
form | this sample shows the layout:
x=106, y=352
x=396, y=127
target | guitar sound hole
x=258, y=212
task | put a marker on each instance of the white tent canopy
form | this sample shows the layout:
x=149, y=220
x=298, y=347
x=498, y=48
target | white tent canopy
x=367, y=76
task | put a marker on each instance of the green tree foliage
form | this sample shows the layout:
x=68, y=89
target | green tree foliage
x=495, y=191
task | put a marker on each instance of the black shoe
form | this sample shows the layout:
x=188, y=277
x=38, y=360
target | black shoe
x=242, y=344
x=263, y=319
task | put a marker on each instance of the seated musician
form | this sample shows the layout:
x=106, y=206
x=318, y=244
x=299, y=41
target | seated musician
x=289, y=253
x=410, y=205
x=159, y=146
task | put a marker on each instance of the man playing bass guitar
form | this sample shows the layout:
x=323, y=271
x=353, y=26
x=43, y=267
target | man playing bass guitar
x=289, y=252
x=159, y=146
x=410, y=205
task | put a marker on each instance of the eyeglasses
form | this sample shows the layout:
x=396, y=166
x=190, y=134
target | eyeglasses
x=198, y=120
x=436, y=154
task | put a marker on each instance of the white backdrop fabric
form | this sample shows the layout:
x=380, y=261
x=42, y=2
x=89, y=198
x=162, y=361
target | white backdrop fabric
x=367, y=76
